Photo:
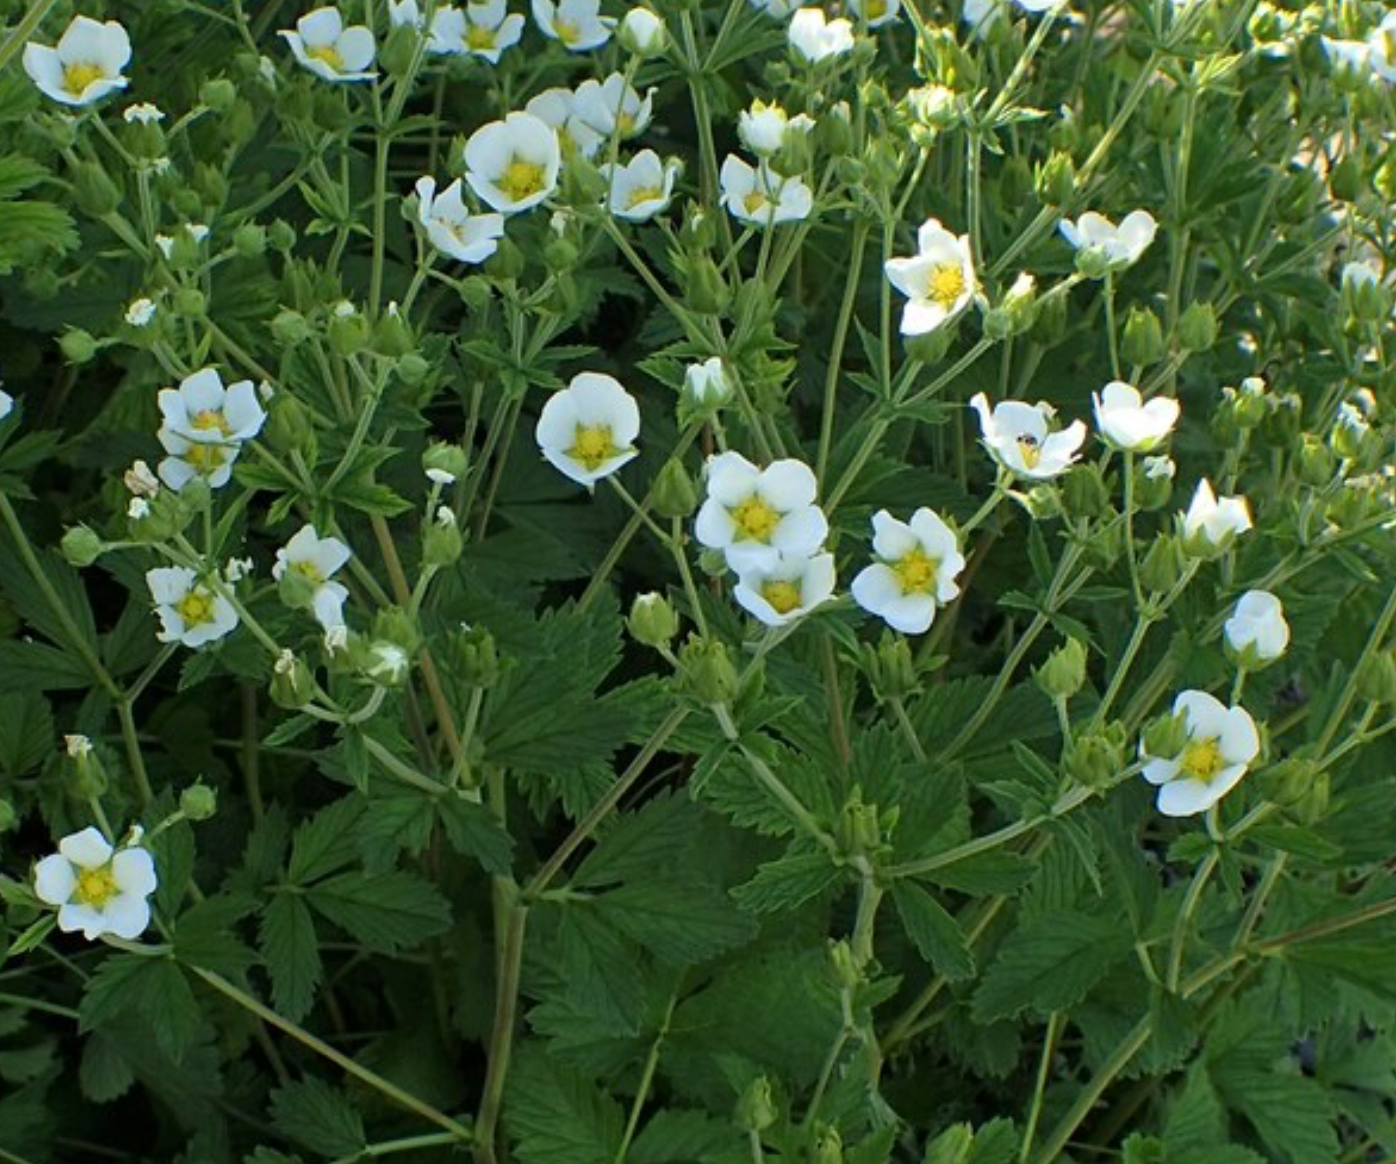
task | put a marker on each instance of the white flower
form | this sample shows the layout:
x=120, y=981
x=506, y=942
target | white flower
x=779, y=9
x=577, y=24
x=1017, y=436
x=917, y=565
x=1211, y=523
x=1257, y=630
x=876, y=12
x=316, y=560
x=643, y=32
x=441, y=477
x=512, y=164
x=236, y=569
x=1159, y=468
x=816, y=38
x=190, y=612
x=205, y=425
x=763, y=128
x=1120, y=246
x=1352, y=55
x=451, y=228
x=138, y=509
x=786, y=589
x=77, y=746
x=612, y=106
x=1382, y=48
x=1222, y=742
x=756, y=516
x=140, y=312
x=762, y=197
x=558, y=109
x=938, y=282
x=84, y=66
x=404, y=14
x=706, y=384
x=1129, y=424
x=490, y=29
x=389, y=664
x=140, y=481
x=7, y=404
x=336, y=639
x=196, y=232
x=1360, y=274
x=587, y=431
x=642, y=187
x=97, y=889
x=143, y=112
x=322, y=44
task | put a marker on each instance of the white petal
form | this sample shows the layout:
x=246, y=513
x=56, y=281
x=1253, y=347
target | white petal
x=714, y=526
x=321, y=28
x=74, y=917
x=1160, y=771
x=127, y=915
x=788, y=484
x=1206, y=715
x=911, y=614
x=801, y=531
x=1239, y=742
x=1186, y=797
x=54, y=879
x=875, y=588
x=134, y=871
x=87, y=849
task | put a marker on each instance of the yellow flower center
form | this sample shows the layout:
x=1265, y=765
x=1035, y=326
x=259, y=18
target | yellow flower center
x=479, y=38
x=755, y=520
x=96, y=887
x=521, y=179
x=195, y=608
x=946, y=284
x=783, y=596
x=79, y=75
x=916, y=572
x=308, y=571
x=592, y=446
x=567, y=32
x=642, y=194
x=205, y=459
x=625, y=122
x=209, y=420
x=754, y=202
x=1202, y=760
x=1031, y=450
x=327, y=53
x=877, y=9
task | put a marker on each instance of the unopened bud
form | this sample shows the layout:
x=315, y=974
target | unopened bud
x=707, y=671
x=218, y=94
x=1376, y=678
x=475, y=656
x=250, y=240
x=1197, y=329
x=1162, y=566
x=643, y=33
x=81, y=546
x=653, y=621
x=845, y=966
x=708, y=293
x=756, y=1109
x=292, y=684
x=442, y=542
x=93, y=191
x=1061, y=676
x=1056, y=180
x=1166, y=736
x=1142, y=343
x=349, y=331
x=87, y=775
x=444, y=464
x=77, y=346
x=198, y=802
x=890, y=668
x=1096, y=758
x=673, y=492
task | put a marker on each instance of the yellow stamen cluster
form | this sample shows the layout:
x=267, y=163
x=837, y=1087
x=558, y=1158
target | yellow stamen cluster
x=916, y=571
x=1031, y=450
x=479, y=38
x=567, y=32
x=642, y=194
x=783, y=596
x=755, y=520
x=945, y=285
x=196, y=607
x=592, y=445
x=211, y=420
x=205, y=459
x=79, y=75
x=96, y=887
x=327, y=53
x=1202, y=760
x=521, y=179
x=755, y=202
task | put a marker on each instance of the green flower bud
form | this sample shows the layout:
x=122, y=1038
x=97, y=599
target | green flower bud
x=1287, y=781
x=507, y=262
x=1092, y=262
x=847, y=972
x=212, y=187
x=1096, y=758
x=392, y=337
x=890, y=668
x=190, y=302
x=475, y=657
x=643, y=34
x=250, y=240
x=1083, y=491
x=1015, y=312
x=708, y=293
x=1364, y=296
x=1345, y=179
x=1056, y=180
x=146, y=140
x=756, y=1109
x=1153, y=482
x=833, y=133
x=828, y=1147
x=198, y=802
x=281, y=236
x=292, y=683
x=1050, y=323
x=1197, y=329
x=1312, y=805
x=394, y=625
x=795, y=156
x=77, y=346
x=399, y=50
x=1376, y=678
x=239, y=124
x=1316, y=462
x=83, y=767
x=1284, y=421
x=349, y=331
x=445, y=464
x=288, y=426
x=1141, y=342
x=218, y=94
x=1162, y=566
x=706, y=671
x=1166, y=736
x=81, y=546
x=441, y=540
x=859, y=828
x=653, y=622
x=411, y=369
x=1061, y=676
x=290, y=328
x=95, y=193
x=713, y=563
x=387, y=664
x=674, y=494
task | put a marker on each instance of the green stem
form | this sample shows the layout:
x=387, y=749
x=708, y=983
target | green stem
x=646, y=1080
x=1119, y=1059
x=27, y=27
x=1044, y=1071
x=831, y=378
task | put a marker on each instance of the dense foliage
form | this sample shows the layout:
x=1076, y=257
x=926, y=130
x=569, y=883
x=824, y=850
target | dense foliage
x=541, y=614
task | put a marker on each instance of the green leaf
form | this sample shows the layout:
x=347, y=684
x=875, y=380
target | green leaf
x=474, y=831
x=936, y=934
x=1292, y=1115
x=292, y=954
x=682, y=1136
x=206, y=935
x=154, y=989
x=26, y=733
x=1049, y=963
x=680, y=924
x=558, y=1117
x=385, y=911
x=27, y=667
x=325, y=843
x=788, y=882
x=997, y=871
x=319, y=1117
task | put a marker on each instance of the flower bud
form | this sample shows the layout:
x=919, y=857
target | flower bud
x=1312, y=804
x=441, y=540
x=95, y=193
x=198, y=802
x=1197, y=329
x=218, y=94
x=190, y=302
x=756, y=1109
x=393, y=624
x=399, y=50
x=475, y=657
x=890, y=668
x=708, y=293
x=77, y=346
x=392, y=336
x=250, y=240
x=706, y=671
x=1015, y=312
x=1376, y=678
x=1092, y=262
x=1096, y=758
x=673, y=493
x=444, y=464
x=828, y=1147
x=847, y=972
x=349, y=331
x=1283, y=421
x=1056, y=180
x=1141, y=342
x=290, y=328
x=653, y=622
x=1061, y=676
x=859, y=828
x=81, y=546
x=1364, y=295
x=1153, y=482
x=83, y=767
x=210, y=184
x=643, y=33
x=833, y=133
x=281, y=236
x=288, y=427
x=713, y=563
x=1162, y=566
x=387, y=664
x=1316, y=462
x=1166, y=736
x=1050, y=323
x=1345, y=179
x=1083, y=491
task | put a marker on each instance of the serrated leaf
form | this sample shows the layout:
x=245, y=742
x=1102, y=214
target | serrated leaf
x=152, y=988
x=325, y=843
x=997, y=871
x=682, y=1136
x=680, y=924
x=1049, y=963
x=935, y=933
x=474, y=831
x=384, y=911
x=558, y=1117
x=291, y=953
x=319, y=1117
x=789, y=882
x=26, y=733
